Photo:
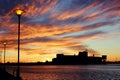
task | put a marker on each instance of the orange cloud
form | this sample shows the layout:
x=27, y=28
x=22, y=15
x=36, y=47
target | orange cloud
x=31, y=9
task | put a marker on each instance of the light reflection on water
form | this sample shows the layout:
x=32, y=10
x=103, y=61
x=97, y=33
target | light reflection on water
x=81, y=72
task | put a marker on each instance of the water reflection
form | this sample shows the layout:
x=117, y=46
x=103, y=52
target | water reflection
x=87, y=72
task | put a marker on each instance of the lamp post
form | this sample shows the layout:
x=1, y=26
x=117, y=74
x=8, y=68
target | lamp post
x=4, y=43
x=18, y=13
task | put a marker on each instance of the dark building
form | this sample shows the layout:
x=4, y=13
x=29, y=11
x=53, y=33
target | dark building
x=81, y=58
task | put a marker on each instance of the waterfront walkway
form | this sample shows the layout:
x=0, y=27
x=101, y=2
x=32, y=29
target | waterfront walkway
x=6, y=76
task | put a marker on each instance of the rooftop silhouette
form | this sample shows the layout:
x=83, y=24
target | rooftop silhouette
x=81, y=58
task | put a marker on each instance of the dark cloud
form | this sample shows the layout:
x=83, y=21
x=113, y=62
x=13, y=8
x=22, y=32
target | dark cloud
x=7, y=5
x=89, y=34
x=78, y=47
x=37, y=39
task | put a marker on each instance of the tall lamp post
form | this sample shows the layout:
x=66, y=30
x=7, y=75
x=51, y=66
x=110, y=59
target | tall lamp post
x=4, y=43
x=18, y=13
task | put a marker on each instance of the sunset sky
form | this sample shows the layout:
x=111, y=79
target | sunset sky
x=49, y=27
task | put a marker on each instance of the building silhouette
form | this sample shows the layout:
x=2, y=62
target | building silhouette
x=81, y=58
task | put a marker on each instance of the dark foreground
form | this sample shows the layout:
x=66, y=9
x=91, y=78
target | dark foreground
x=6, y=76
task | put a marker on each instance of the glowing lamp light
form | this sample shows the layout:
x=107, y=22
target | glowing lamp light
x=4, y=43
x=19, y=11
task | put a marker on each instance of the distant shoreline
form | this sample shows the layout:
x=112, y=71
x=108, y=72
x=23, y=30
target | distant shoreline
x=50, y=63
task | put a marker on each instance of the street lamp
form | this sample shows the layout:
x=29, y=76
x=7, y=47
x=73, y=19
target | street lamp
x=4, y=43
x=18, y=13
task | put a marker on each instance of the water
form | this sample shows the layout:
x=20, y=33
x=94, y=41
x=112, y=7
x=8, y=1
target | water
x=80, y=72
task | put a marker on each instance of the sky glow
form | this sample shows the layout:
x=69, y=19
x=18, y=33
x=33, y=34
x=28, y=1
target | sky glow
x=49, y=27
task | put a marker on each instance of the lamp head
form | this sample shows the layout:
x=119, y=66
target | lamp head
x=19, y=12
x=4, y=43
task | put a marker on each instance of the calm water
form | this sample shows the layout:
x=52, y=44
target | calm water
x=81, y=72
